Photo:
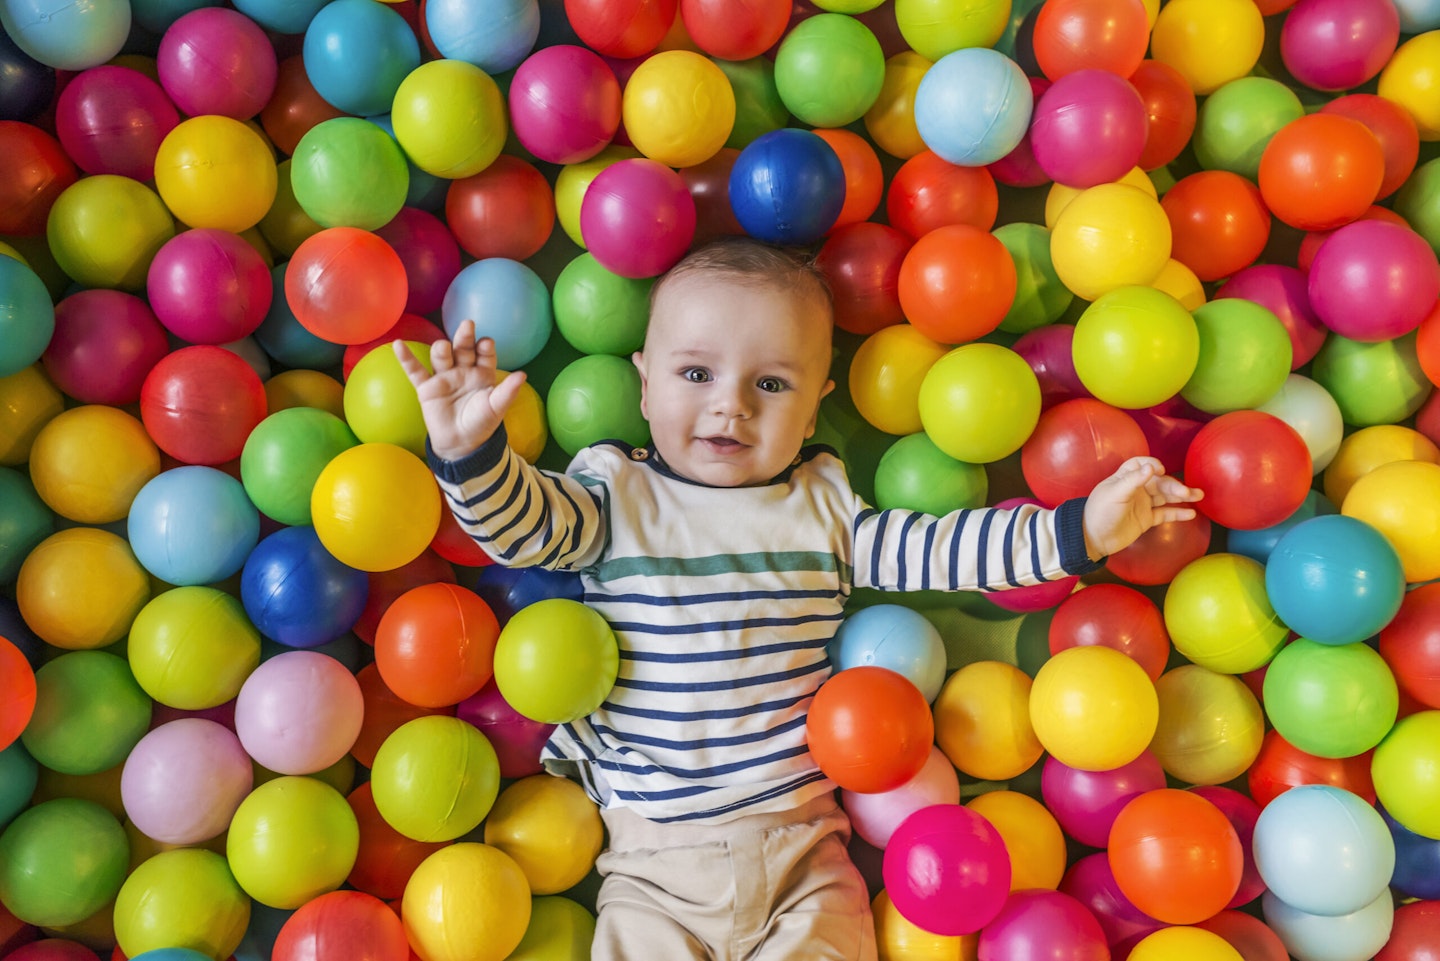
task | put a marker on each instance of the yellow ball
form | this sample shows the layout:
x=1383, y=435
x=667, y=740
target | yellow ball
x=574, y=179
x=292, y=839
x=305, y=388
x=980, y=403
x=185, y=898
x=1032, y=836
x=885, y=377
x=449, y=116
x=1093, y=708
x=1110, y=236
x=1210, y=728
x=1058, y=197
x=934, y=28
x=215, y=171
x=1180, y=282
x=1183, y=943
x=890, y=121
x=550, y=827
x=1210, y=42
x=899, y=939
x=192, y=648
x=466, y=902
x=375, y=507
x=81, y=588
x=560, y=929
x=678, y=108
x=1411, y=78
x=1135, y=347
x=104, y=230
x=1369, y=448
x=28, y=401
x=1402, y=501
x=435, y=778
x=381, y=406
x=1406, y=768
x=88, y=463
x=525, y=424
x=1218, y=614
x=982, y=721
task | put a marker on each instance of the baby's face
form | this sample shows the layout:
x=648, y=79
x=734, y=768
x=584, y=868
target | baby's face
x=732, y=376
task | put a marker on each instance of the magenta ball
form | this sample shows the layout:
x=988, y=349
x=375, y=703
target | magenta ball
x=1168, y=428
x=876, y=816
x=430, y=253
x=1372, y=280
x=1048, y=351
x=1040, y=925
x=1338, y=44
x=217, y=61
x=299, y=712
x=1242, y=812
x=111, y=120
x=209, y=286
x=1089, y=128
x=946, y=870
x=182, y=782
x=1091, y=881
x=1086, y=803
x=104, y=345
x=564, y=104
x=1285, y=292
x=517, y=739
x=637, y=218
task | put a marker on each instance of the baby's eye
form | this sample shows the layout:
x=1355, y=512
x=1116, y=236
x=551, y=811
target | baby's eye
x=696, y=375
x=772, y=385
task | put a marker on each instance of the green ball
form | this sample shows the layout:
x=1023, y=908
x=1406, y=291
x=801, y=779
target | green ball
x=916, y=475
x=192, y=648
x=1331, y=700
x=1245, y=355
x=24, y=522
x=1418, y=201
x=348, y=172
x=284, y=454
x=596, y=398
x=600, y=312
x=381, y=405
x=980, y=402
x=1040, y=297
x=89, y=713
x=1235, y=123
x=182, y=898
x=559, y=930
x=292, y=839
x=18, y=776
x=61, y=861
x=556, y=660
x=1406, y=768
x=1374, y=383
x=758, y=107
x=1135, y=347
x=435, y=778
x=829, y=70
x=934, y=28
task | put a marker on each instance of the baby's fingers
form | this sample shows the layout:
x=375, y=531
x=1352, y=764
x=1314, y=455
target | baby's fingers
x=1173, y=491
x=505, y=392
x=409, y=363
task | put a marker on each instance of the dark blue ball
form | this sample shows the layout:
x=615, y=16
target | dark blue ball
x=787, y=187
x=296, y=593
x=1417, y=861
x=26, y=84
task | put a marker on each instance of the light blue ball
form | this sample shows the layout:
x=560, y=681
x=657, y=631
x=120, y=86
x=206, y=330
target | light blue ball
x=282, y=16
x=1316, y=937
x=297, y=594
x=1418, y=16
x=494, y=35
x=283, y=338
x=508, y=302
x=1323, y=850
x=895, y=637
x=973, y=106
x=1334, y=580
x=1257, y=544
x=192, y=525
x=67, y=35
x=357, y=53
x=171, y=954
x=27, y=316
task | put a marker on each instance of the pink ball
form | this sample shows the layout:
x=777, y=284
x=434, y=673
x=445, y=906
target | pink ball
x=564, y=104
x=104, y=345
x=517, y=739
x=1338, y=44
x=1086, y=803
x=1040, y=925
x=1089, y=128
x=1372, y=280
x=1048, y=351
x=183, y=781
x=1242, y=813
x=946, y=870
x=430, y=253
x=876, y=816
x=299, y=712
x=1033, y=597
x=1284, y=292
x=1018, y=168
x=1091, y=882
x=111, y=120
x=217, y=61
x=637, y=218
x=209, y=286
x=52, y=949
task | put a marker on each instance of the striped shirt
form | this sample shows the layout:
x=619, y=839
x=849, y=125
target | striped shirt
x=722, y=601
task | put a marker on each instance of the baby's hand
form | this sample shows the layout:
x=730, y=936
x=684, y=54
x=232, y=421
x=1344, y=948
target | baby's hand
x=461, y=401
x=1137, y=497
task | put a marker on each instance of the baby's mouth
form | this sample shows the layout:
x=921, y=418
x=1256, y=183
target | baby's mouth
x=723, y=443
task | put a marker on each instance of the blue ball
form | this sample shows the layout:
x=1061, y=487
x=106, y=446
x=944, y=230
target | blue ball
x=973, y=106
x=357, y=53
x=1417, y=861
x=494, y=35
x=787, y=187
x=892, y=636
x=1323, y=850
x=192, y=525
x=508, y=302
x=1335, y=580
x=1318, y=937
x=1257, y=544
x=67, y=35
x=29, y=84
x=297, y=594
x=27, y=316
x=508, y=589
x=19, y=774
x=281, y=16
x=283, y=338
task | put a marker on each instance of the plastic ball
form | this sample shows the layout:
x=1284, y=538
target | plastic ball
x=1092, y=883
x=876, y=816
x=182, y=896
x=1244, y=356
x=67, y=38
x=1219, y=224
x=1416, y=856
x=380, y=403
x=1309, y=408
x=914, y=474
x=1175, y=856
x=869, y=729
x=678, y=108
x=1036, y=924
x=864, y=178
x=1086, y=803
x=1373, y=280
x=787, y=187
x=1374, y=383
x=296, y=593
x=217, y=61
x=1338, y=45
x=506, y=210
x=358, y=55
x=449, y=117
x=105, y=342
x=551, y=829
x=1406, y=78
x=1321, y=171
x=1086, y=34
x=1184, y=943
x=1254, y=468
x=594, y=398
x=556, y=660
x=81, y=612
x=1410, y=645
x=467, y=901
x=111, y=120
x=508, y=303
x=1170, y=110
x=1210, y=725
x=1110, y=236
x=298, y=712
x=559, y=929
x=19, y=690
x=63, y=860
x=1113, y=615
x=284, y=454
x=200, y=403
x=957, y=283
x=1059, y=195
x=1088, y=128
x=973, y=106
x=734, y=33
x=30, y=401
x=294, y=107
x=88, y=463
x=517, y=739
x=375, y=507
x=1209, y=43
x=1219, y=616
x=946, y=870
x=183, y=781
x=385, y=858
x=1392, y=123
x=895, y=637
x=1330, y=700
x=1158, y=555
x=979, y=403
x=1235, y=123
x=1135, y=347
x=348, y=172
x=621, y=31
x=890, y=121
x=1093, y=708
x=208, y=287
x=346, y=285
x=898, y=937
x=214, y=171
x=829, y=69
x=435, y=644
x=1316, y=832
x=1412, y=933
x=495, y=41
x=292, y=839
x=1075, y=445
x=1402, y=500
x=192, y=525
x=192, y=648
x=36, y=173
x=1334, y=580
x=348, y=923
x=1284, y=291
x=1242, y=813
x=1359, y=934
x=32, y=87
x=600, y=312
x=435, y=778
x=89, y=713
x=637, y=218
x=1404, y=770
x=565, y=104
x=1032, y=837
x=104, y=230
x=1040, y=297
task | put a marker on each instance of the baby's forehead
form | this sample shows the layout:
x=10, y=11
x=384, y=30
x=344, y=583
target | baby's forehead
x=793, y=302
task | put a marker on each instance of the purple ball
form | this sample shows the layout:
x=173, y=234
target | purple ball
x=1048, y=351
x=516, y=738
x=209, y=286
x=564, y=104
x=1372, y=280
x=637, y=218
x=1089, y=128
x=217, y=61
x=112, y=120
x=1284, y=292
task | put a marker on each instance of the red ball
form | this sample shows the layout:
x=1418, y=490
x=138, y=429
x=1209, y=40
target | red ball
x=709, y=186
x=385, y=586
x=506, y=210
x=1075, y=445
x=1170, y=107
x=200, y=403
x=294, y=107
x=1075, y=35
x=1253, y=467
x=1392, y=125
x=928, y=192
x=34, y=170
x=408, y=327
x=957, y=283
x=453, y=543
x=17, y=692
x=1281, y=765
x=52, y=949
x=1410, y=644
x=346, y=285
x=385, y=858
x=1113, y=615
x=430, y=254
x=1247, y=934
x=342, y=924
x=105, y=344
x=1157, y=555
x=1176, y=856
x=621, y=28
x=435, y=645
x=730, y=30
x=385, y=711
x=1415, y=933
x=1218, y=223
x=869, y=729
x=862, y=263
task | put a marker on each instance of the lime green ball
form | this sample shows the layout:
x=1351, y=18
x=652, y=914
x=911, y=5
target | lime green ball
x=1418, y=201
x=61, y=861
x=1374, y=383
x=596, y=398
x=600, y=312
x=556, y=660
x=381, y=405
x=1235, y=123
x=1218, y=614
x=435, y=778
x=292, y=839
x=1135, y=347
x=916, y=475
x=1040, y=297
x=192, y=647
x=1244, y=359
x=560, y=930
x=934, y=28
x=104, y=230
x=89, y=713
x=979, y=403
x=449, y=117
x=284, y=454
x=758, y=107
x=1331, y=700
x=1406, y=769
x=182, y=898
x=829, y=70
x=349, y=172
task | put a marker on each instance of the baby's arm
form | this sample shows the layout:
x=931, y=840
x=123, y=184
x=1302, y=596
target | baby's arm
x=1137, y=497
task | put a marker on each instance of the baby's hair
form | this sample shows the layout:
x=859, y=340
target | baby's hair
x=751, y=261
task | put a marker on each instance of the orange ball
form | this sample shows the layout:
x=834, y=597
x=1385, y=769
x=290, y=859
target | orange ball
x=957, y=283
x=1171, y=110
x=1218, y=223
x=864, y=180
x=1321, y=170
x=1075, y=35
x=1176, y=856
x=435, y=644
x=869, y=729
x=346, y=285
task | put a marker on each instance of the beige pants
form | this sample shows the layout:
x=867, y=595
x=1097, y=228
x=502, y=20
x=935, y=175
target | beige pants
x=762, y=888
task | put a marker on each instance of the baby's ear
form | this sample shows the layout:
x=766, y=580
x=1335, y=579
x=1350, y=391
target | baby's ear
x=815, y=417
x=638, y=359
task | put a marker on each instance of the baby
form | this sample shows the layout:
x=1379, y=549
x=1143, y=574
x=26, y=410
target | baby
x=722, y=555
